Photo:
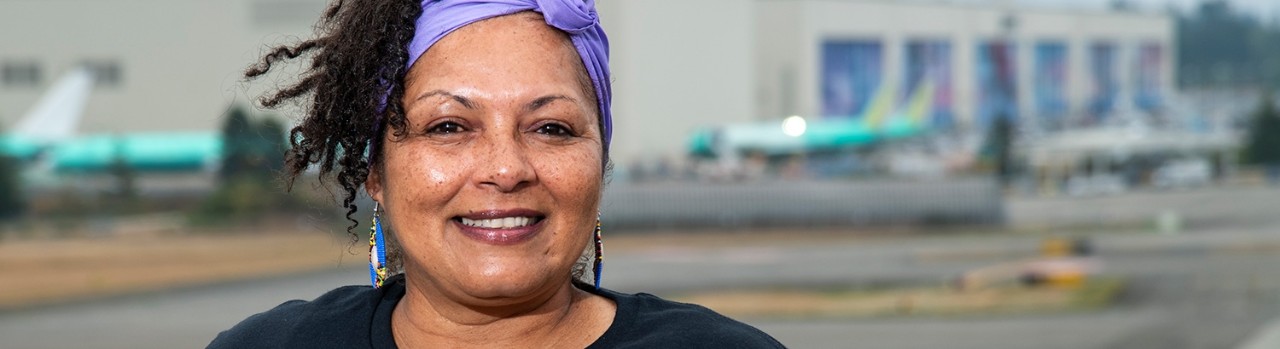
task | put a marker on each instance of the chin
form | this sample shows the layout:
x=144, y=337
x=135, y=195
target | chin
x=513, y=280
x=503, y=292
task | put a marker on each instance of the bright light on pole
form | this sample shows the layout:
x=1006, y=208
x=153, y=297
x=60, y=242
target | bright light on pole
x=794, y=126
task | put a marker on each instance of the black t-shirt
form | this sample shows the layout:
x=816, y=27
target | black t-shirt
x=360, y=317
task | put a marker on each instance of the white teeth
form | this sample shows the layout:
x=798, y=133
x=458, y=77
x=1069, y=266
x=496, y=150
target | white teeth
x=498, y=223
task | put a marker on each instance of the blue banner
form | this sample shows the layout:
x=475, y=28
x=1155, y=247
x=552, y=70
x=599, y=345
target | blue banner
x=851, y=74
x=928, y=71
x=997, y=82
x=1051, y=83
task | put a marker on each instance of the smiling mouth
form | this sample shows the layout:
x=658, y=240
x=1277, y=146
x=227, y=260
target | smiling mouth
x=500, y=223
x=501, y=227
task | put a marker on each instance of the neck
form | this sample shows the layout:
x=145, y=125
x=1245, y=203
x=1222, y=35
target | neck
x=426, y=317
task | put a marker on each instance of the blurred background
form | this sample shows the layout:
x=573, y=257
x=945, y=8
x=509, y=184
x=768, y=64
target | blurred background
x=839, y=173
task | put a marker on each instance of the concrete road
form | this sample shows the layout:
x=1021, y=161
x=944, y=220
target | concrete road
x=1207, y=289
x=172, y=319
x=1213, y=286
x=1218, y=205
x=1069, y=331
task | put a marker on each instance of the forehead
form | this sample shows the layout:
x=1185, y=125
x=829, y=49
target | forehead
x=513, y=49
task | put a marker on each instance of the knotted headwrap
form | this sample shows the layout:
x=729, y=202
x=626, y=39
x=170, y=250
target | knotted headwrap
x=575, y=17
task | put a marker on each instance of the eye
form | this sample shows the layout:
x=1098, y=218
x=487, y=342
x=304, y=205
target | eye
x=447, y=127
x=554, y=130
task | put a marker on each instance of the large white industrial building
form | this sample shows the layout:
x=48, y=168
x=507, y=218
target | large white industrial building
x=162, y=65
x=174, y=65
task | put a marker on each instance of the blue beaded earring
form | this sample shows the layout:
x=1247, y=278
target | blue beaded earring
x=598, y=266
x=377, y=250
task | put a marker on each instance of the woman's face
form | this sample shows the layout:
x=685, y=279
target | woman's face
x=493, y=191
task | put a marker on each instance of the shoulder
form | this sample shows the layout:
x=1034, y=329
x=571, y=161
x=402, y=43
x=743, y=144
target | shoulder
x=646, y=320
x=339, y=318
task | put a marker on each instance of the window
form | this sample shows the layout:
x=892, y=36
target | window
x=106, y=73
x=20, y=73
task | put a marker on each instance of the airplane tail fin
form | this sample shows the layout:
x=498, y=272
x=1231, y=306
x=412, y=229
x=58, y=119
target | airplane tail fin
x=56, y=115
x=920, y=106
x=881, y=105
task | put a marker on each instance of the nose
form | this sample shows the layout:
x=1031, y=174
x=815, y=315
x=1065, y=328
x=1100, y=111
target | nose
x=504, y=164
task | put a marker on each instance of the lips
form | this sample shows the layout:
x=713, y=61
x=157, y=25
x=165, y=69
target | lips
x=500, y=227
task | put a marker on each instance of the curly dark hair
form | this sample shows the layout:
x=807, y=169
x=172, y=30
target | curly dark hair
x=351, y=94
x=353, y=83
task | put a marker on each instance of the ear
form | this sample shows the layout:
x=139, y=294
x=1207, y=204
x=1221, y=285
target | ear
x=373, y=183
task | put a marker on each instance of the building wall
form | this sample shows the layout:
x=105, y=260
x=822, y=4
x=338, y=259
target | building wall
x=179, y=60
x=677, y=65
x=779, y=56
x=791, y=34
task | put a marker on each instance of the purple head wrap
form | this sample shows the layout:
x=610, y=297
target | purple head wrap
x=575, y=17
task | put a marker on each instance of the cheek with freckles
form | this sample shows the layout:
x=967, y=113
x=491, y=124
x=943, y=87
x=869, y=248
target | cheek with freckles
x=418, y=179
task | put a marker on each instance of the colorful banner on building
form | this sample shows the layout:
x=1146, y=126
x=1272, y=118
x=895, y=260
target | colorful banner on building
x=852, y=72
x=1051, y=83
x=1104, y=82
x=997, y=83
x=1147, y=67
x=928, y=80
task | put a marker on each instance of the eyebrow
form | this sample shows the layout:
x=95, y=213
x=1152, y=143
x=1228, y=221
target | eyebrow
x=469, y=104
x=544, y=100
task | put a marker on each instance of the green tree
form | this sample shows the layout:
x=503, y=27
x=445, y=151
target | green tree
x=271, y=135
x=238, y=139
x=124, y=198
x=253, y=154
x=1219, y=46
x=252, y=146
x=12, y=202
x=1262, y=146
x=998, y=150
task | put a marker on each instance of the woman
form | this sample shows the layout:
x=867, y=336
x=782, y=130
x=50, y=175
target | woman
x=487, y=125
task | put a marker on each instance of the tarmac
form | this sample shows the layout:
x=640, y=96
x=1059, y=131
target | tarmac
x=1211, y=285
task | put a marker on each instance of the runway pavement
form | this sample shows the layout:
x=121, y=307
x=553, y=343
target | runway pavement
x=187, y=318
x=1210, y=287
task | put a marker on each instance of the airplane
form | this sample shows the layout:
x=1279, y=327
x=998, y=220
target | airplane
x=46, y=140
x=879, y=123
x=53, y=118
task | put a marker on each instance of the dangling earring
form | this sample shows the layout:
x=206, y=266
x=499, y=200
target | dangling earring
x=377, y=250
x=599, y=262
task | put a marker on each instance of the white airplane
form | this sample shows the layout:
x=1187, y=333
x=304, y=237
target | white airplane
x=52, y=120
x=48, y=138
